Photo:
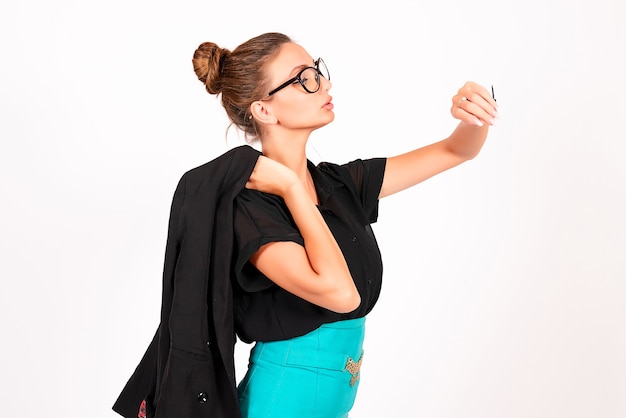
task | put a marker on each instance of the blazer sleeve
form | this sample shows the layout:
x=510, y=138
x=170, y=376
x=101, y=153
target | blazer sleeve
x=142, y=385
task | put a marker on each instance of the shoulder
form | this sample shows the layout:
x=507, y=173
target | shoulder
x=255, y=197
x=261, y=205
x=239, y=160
x=228, y=172
x=355, y=171
x=351, y=166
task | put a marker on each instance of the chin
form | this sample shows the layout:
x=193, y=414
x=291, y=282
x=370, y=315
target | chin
x=326, y=122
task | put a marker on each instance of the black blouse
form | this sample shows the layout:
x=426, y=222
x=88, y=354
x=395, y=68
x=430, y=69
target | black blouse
x=348, y=202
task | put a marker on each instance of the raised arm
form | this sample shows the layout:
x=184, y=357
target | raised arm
x=476, y=110
x=316, y=272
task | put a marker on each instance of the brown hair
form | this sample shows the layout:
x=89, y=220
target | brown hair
x=239, y=76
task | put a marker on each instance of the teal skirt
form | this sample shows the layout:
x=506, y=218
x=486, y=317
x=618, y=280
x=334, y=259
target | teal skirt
x=315, y=375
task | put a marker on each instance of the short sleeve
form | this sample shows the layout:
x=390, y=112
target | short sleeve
x=367, y=176
x=259, y=218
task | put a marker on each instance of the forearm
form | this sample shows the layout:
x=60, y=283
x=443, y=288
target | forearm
x=323, y=252
x=406, y=170
x=466, y=140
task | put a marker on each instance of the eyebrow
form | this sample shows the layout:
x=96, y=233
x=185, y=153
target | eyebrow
x=300, y=67
x=297, y=68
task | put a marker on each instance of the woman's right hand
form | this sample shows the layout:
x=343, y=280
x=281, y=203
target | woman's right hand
x=270, y=176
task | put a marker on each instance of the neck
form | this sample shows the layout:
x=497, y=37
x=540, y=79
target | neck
x=289, y=150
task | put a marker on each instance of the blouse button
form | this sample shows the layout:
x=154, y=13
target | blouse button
x=203, y=397
x=354, y=238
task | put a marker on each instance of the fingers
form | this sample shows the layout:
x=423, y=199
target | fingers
x=256, y=175
x=474, y=105
x=270, y=176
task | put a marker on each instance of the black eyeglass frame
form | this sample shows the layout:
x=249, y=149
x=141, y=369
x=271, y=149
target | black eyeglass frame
x=299, y=80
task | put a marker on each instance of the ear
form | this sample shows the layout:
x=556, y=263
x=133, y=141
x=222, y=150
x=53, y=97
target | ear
x=261, y=111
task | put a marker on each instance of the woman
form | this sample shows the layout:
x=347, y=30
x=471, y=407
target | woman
x=306, y=266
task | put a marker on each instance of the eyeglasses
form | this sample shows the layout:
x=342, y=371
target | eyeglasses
x=309, y=78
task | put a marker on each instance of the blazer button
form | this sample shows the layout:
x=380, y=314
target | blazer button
x=203, y=397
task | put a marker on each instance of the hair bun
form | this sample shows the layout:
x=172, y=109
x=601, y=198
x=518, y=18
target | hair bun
x=207, y=62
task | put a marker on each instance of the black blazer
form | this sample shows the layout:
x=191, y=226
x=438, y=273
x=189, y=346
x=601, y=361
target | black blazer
x=188, y=370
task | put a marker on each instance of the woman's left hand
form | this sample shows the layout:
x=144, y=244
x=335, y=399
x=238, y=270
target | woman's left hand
x=474, y=105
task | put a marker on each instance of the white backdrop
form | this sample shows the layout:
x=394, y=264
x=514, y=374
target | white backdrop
x=504, y=291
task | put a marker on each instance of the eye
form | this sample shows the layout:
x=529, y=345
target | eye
x=310, y=79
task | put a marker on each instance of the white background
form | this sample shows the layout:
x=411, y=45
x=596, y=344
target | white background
x=504, y=292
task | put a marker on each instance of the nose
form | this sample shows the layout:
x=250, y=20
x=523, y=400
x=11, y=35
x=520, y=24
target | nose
x=325, y=84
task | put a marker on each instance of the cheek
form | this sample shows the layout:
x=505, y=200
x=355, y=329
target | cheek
x=297, y=112
x=303, y=111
